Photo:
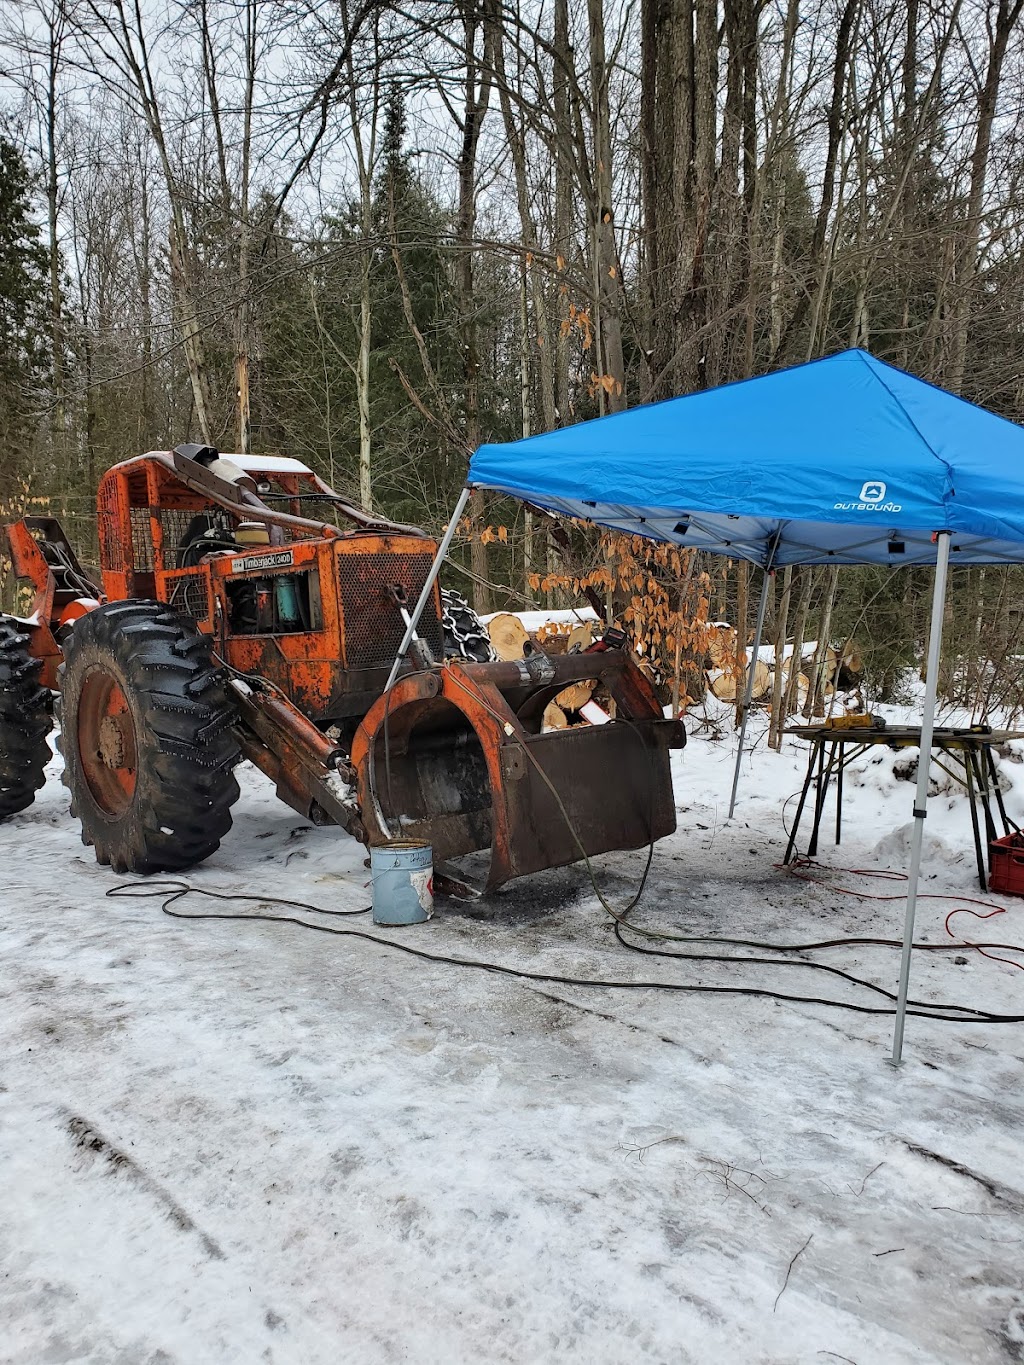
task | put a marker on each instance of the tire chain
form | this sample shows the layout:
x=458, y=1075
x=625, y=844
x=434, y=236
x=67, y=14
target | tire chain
x=465, y=636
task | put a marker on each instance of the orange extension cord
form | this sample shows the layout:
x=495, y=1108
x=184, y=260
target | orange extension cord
x=796, y=869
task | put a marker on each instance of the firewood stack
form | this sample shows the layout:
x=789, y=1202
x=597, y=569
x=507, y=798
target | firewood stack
x=510, y=637
x=727, y=675
x=511, y=640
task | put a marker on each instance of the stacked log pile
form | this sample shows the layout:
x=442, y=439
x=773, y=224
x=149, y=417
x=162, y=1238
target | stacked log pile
x=840, y=669
x=511, y=640
x=510, y=637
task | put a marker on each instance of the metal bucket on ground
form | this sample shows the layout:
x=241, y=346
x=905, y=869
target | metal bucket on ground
x=402, y=875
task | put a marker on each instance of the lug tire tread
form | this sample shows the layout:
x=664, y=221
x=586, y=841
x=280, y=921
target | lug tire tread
x=186, y=786
x=26, y=719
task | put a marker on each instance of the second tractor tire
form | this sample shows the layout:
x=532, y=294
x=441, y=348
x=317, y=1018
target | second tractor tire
x=26, y=718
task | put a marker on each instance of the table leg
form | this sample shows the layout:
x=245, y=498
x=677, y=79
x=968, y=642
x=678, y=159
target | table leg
x=979, y=852
x=986, y=794
x=819, y=796
x=994, y=774
x=839, y=796
x=803, y=799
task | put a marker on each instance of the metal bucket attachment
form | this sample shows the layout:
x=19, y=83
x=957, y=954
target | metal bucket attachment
x=455, y=757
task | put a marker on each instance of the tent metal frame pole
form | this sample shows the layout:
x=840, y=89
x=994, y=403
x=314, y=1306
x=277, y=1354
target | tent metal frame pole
x=921, y=795
x=749, y=690
x=428, y=587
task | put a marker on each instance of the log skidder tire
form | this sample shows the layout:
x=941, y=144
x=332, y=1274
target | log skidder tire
x=26, y=718
x=145, y=734
x=465, y=635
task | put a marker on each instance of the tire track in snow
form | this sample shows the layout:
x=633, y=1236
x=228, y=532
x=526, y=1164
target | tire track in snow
x=88, y=1139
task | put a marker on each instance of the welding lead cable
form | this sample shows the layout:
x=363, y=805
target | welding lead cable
x=173, y=891
x=169, y=892
x=622, y=923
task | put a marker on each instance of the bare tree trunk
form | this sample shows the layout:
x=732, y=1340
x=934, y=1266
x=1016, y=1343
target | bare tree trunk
x=778, y=687
x=679, y=102
x=55, y=25
x=477, y=89
x=515, y=136
x=1007, y=16
x=742, y=609
x=121, y=39
x=365, y=161
x=813, y=704
x=612, y=369
x=563, y=60
x=562, y=88
x=773, y=173
x=524, y=395
x=667, y=117
x=142, y=250
x=817, y=275
x=243, y=312
x=796, y=658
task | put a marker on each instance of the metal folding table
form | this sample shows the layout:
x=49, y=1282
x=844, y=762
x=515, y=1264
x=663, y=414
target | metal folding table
x=966, y=755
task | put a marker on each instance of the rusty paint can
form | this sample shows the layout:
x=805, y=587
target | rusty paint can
x=402, y=874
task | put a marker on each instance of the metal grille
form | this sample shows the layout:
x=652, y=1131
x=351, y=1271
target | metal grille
x=142, y=539
x=177, y=524
x=112, y=548
x=189, y=596
x=373, y=625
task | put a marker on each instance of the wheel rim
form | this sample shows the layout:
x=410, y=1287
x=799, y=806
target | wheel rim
x=107, y=743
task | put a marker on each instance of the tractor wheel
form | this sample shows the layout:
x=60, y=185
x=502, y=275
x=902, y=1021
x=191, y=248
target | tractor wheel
x=465, y=635
x=26, y=718
x=148, y=752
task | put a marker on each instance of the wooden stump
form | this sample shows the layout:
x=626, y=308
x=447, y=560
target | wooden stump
x=581, y=636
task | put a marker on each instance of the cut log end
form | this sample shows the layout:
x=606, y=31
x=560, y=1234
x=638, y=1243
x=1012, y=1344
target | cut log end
x=508, y=635
x=554, y=718
x=576, y=695
x=727, y=685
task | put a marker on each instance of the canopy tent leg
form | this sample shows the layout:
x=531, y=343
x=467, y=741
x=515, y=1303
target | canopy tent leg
x=921, y=796
x=749, y=693
x=428, y=587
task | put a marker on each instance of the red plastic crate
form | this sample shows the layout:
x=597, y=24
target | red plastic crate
x=1007, y=857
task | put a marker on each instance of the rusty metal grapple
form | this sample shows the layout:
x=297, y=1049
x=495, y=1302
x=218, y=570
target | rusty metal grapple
x=234, y=617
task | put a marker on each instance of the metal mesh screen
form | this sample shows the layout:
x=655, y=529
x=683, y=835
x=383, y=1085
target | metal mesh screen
x=373, y=625
x=189, y=596
x=179, y=525
x=142, y=538
x=112, y=541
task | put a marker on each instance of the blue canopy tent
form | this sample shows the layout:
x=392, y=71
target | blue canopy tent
x=844, y=460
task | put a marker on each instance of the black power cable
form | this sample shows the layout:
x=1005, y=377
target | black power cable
x=967, y=1013
x=172, y=891
x=175, y=891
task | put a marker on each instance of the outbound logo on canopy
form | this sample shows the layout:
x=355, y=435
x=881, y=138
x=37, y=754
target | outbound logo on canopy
x=872, y=499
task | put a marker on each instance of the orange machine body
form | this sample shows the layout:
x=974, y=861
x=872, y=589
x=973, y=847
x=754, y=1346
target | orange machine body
x=309, y=617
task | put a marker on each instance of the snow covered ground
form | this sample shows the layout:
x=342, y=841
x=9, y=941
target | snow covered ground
x=229, y=1142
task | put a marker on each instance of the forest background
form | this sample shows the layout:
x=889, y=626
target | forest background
x=371, y=236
